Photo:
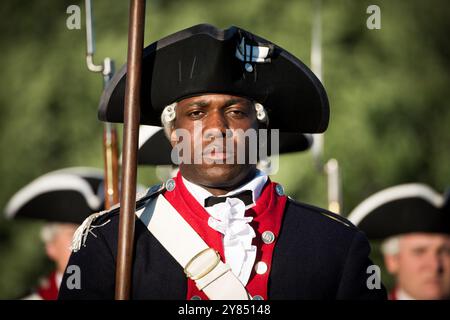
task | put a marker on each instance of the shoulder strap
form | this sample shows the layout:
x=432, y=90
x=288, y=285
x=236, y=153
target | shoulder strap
x=200, y=262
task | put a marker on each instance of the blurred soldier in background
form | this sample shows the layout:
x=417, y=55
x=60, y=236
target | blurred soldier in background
x=63, y=199
x=413, y=222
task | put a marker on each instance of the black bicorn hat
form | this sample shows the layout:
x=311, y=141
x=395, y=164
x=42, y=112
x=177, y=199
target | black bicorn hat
x=155, y=148
x=63, y=196
x=203, y=59
x=402, y=209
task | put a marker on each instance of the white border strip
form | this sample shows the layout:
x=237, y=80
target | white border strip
x=80, y=171
x=48, y=183
x=146, y=132
x=410, y=190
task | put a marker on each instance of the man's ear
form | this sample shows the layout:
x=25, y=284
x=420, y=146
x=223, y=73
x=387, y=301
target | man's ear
x=173, y=138
x=392, y=263
x=50, y=250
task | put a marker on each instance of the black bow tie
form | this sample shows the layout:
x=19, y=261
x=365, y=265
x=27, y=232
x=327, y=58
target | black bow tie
x=246, y=196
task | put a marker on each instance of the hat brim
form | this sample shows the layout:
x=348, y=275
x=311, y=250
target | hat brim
x=63, y=196
x=400, y=210
x=155, y=150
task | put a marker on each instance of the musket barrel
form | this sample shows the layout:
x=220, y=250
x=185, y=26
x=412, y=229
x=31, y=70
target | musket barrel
x=110, y=148
x=90, y=41
x=89, y=34
x=111, y=165
x=130, y=138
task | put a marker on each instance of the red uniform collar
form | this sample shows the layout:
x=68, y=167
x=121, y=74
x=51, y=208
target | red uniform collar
x=49, y=288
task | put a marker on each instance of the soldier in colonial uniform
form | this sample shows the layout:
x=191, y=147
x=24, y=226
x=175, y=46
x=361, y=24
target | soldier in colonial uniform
x=62, y=199
x=224, y=230
x=413, y=222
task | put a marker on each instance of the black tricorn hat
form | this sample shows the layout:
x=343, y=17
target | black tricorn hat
x=402, y=209
x=64, y=196
x=155, y=148
x=203, y=59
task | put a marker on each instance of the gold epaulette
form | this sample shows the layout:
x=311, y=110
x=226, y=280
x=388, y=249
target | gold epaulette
x=334, y=218
x=81, y=234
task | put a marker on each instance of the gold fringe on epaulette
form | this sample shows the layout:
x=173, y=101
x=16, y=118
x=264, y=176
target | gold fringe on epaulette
x=81, y=234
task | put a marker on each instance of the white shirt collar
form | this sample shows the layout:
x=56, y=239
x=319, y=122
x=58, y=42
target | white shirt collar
x=255, y=185
x=402, y=295
x=58, y=278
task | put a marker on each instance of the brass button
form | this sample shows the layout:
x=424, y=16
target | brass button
x=248, y=67
x=261, y=267
x=196, y=298
x=170, y=185
x=279, y=189
x=257, y=298
x=268, y=237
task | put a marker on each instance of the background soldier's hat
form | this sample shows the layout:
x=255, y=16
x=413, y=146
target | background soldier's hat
x=293, y=142
x=67, y=196
x=155, y=148
x=204, y=59
x=403, y=209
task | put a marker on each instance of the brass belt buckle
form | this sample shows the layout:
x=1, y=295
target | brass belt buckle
x=202, y=264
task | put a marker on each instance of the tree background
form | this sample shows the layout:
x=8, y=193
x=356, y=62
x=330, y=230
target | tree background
x=388, y=90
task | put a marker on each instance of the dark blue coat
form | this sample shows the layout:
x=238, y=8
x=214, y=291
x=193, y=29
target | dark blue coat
x=318, y=255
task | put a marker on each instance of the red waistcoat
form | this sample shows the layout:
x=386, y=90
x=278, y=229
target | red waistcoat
x=267, y=215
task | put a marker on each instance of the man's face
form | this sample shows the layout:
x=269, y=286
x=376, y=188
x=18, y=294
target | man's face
x=422, y=265
x=216, y=113
x=58, y=249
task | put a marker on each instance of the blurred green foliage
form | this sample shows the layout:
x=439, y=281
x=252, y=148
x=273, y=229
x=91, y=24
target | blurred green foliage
x=388, y=90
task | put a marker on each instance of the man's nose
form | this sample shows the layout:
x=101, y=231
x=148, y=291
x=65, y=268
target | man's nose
x=216, y=121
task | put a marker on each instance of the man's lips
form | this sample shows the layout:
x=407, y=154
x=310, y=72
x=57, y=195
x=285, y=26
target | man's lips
x=215, y=151
x=217, y=155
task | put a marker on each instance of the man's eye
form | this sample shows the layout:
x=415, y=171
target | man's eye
x=419, y=251
x=444, y=251
x=237, y=113
x=196, y=114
